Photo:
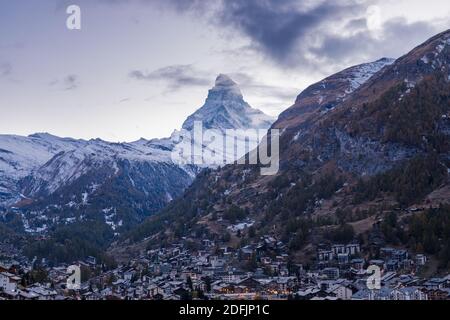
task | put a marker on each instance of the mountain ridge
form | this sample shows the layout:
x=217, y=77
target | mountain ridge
x=381, y=149
x=54, y=176
x=225, y=108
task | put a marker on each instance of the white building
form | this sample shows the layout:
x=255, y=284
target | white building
x=343, y=293
x=8, y=282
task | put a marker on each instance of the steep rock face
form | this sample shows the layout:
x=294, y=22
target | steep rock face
x=325, y=95
x=428, y=58
x=358, y=130
x=225, y=108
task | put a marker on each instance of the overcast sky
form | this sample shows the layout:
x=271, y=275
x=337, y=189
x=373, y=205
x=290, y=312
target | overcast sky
x=138, y=68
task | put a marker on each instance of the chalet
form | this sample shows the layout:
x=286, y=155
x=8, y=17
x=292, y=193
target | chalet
x=4, y=268
x=447, y=281
x=377, y=262
x=388, y=277
x=24, y=295
x=343, y=258
x=357, y=264
x=325, y=298
x=391, y=253
x=207, y=243
x=91, y=261
x=337, y=249
x=408, y=293
x=247, y=252
x=400, y=255
x=43, y=292
x=342, y=292
x=383, y=294
x=286, y=284
x=353, y=248
x=251, y=285
x=232, y=275
x=216, y=262
x=307, y=293
x=407, y=280
x=128, y=275
x=154, y=290
x=325, y=255
x=392, y=265
x=421, y=259
x=437, y=294
x=331, y=273
x=435, y=283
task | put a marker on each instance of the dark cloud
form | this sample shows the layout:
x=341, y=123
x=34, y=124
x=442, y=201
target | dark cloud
x=252, y=85
x=319, y=35
x=357, y=24
x=125, y=100
x=69, y=82
x=391, y=41
x=282, y=30
x=190, y=5
x=279, y=27
x=315, y=35
x=176, y=76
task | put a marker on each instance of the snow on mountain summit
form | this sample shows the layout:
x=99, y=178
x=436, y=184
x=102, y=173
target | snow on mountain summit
x=225, y=108
x=226, y=86
x=223, y=80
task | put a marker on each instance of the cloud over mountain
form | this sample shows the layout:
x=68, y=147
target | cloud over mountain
x=175, y=76
x=312, y=34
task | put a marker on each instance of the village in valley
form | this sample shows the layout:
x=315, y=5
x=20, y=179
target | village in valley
x=210, y=273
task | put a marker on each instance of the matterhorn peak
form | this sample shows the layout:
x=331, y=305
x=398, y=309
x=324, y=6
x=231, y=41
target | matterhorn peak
x=225, y=108
x=225, y=88
x=224, y=80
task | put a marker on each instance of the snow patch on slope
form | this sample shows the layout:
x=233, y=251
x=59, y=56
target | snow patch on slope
x=361, y=74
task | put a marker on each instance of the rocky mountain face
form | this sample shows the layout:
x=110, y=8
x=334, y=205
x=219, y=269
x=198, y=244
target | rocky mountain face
x=225, y=108
x=371, y=138
x=51, y=180
x=325, y=95
x=43, y=170
x=20, y=155
x=386, y=120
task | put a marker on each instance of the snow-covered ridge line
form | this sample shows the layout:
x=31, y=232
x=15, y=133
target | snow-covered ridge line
x=362, y=73
x=49, y=162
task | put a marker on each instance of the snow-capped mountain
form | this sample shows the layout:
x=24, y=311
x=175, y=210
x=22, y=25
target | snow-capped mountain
x=356, y=140
x=55, y=162
x=325, y=95
x=225, y=108
x=19, y=156
x=64, y=178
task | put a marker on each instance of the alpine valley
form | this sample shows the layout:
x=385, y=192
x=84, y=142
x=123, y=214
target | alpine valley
x=365, y=159
x=90, y=192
